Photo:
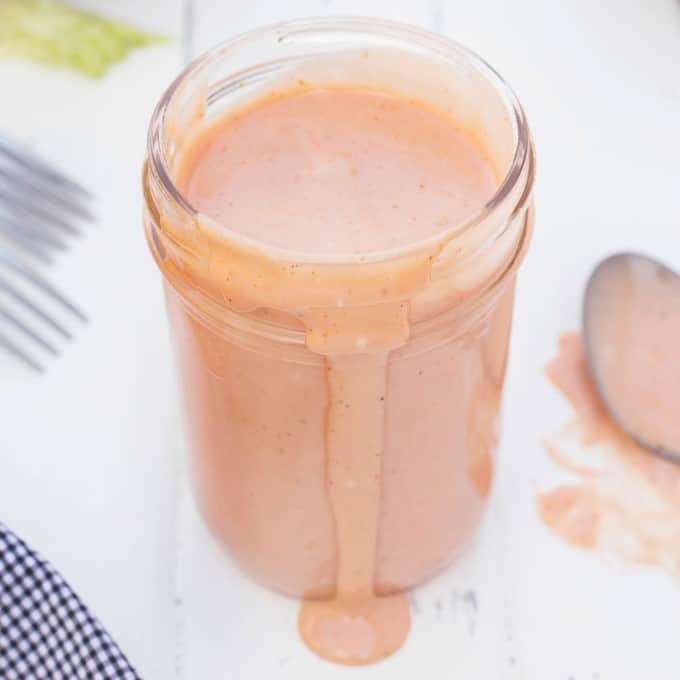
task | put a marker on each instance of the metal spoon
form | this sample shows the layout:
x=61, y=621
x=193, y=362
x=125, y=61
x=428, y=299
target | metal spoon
x=631, y=330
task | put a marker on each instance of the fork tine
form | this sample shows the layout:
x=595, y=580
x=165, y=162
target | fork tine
x=45, y=286
x=34, y=210
x=27, y=330
x=11, y=226
x=26, y=244
x=21, y=182
x=10, y=347
x=22, y=299
x=41, y=168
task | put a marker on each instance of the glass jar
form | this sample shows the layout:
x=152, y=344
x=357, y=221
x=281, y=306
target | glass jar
x=296, y=369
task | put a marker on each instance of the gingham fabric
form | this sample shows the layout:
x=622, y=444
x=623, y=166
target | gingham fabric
x=45, y=630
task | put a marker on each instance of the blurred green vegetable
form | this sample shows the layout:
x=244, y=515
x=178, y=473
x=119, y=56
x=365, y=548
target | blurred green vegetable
x=51, y=33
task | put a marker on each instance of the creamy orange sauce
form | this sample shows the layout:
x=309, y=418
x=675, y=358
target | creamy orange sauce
x=354, y=472
x=621, y=499
x=337, y=171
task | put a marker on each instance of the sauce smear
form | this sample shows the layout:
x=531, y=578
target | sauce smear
x=621, y=499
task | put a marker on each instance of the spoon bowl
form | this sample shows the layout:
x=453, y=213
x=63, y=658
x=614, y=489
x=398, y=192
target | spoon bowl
x=631, y=330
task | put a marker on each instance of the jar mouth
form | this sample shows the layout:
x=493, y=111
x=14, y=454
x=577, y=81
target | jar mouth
x=324, y=28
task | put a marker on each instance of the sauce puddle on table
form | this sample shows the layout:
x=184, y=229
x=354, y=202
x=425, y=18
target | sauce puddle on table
x=621, y=499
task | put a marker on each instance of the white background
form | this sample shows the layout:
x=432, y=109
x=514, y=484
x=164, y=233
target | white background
x=88, y=453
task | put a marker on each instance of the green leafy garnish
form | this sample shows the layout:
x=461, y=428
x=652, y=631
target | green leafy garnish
x=51, y=33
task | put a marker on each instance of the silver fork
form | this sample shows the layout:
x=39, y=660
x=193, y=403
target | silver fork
x=40, y=210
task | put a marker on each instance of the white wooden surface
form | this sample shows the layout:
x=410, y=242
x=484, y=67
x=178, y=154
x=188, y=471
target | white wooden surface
x=88, y=452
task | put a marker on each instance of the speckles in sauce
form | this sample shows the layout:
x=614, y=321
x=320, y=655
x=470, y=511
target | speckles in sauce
x=318, y=170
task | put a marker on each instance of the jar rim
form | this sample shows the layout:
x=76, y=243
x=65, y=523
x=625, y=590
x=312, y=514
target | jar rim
x=440, y=45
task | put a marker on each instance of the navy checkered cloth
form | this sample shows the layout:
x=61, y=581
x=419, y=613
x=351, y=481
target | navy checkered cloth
x=45, y=630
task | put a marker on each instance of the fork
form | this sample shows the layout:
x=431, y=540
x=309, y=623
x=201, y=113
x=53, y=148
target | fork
x=40, y=210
